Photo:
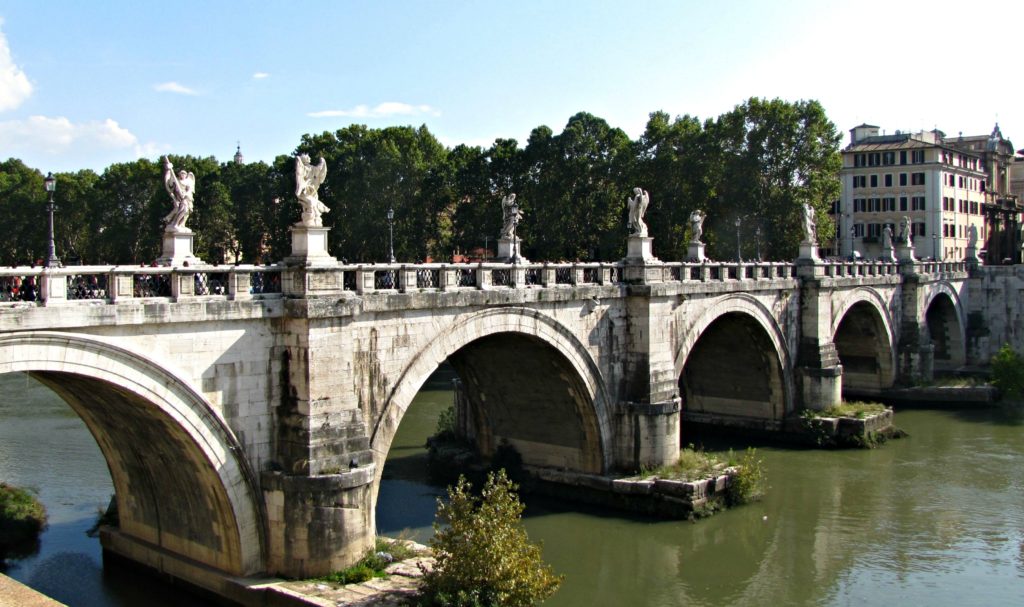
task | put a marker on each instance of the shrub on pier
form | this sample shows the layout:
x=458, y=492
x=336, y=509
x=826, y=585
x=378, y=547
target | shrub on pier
x=22, y=519
x=1008, y=373
x=484, y=556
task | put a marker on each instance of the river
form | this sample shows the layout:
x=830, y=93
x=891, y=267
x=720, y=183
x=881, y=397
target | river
x=937, y=518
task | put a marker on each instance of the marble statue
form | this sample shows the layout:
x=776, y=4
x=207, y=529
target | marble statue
x=182, y=189
x=886, y=237
x=904, y=237
x=510, y=216
x=697, y=218
x=637, y=207
x=308, y=178
x=810, y=225
x=972, y=237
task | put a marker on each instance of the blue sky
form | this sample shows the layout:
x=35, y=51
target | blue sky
x=84, y=84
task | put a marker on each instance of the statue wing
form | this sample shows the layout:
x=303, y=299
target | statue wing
x=299, y=176
x=645, y=199
x=319, y=172
x=190, y=180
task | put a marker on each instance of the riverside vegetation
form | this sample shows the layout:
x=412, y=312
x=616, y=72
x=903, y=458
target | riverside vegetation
x=761, y=161
x=22, y=519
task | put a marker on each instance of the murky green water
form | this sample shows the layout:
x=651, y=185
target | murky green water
x=936, y=519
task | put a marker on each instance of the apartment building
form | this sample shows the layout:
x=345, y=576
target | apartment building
x=939, y=187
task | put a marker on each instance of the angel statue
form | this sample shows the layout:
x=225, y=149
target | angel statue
x=905, y=229
x=810, y=225
x=510, y=216
x=637, y=207
x=308, y=178
x=696, y=225
x=182, y=189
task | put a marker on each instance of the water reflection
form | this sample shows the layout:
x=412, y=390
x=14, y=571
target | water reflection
x=44, y=445
x=935, y=518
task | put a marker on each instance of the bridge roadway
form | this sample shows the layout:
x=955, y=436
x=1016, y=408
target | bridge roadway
x=246, y=412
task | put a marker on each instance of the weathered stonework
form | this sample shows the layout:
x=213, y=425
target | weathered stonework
x=264, y=400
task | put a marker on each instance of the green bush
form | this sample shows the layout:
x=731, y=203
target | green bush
x=1008, y=372
x=484, y=557
x=22, y=519
x=446, y=424
x=385, y=552
x=748, y=484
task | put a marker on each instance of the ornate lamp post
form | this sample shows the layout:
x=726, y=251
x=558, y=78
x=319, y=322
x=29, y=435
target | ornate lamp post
x=52, y=261
x=391, y=235
x=738, y=258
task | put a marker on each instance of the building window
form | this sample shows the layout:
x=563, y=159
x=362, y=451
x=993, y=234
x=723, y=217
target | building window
x=860, y=181
x=917, y=229
x=903, y=203
x=888, y=180
x=903, y=157
x=917, y=203
x=903, y=179
x=858, y=230
x=874, y=181
x=917, y=179
x=917, y=157
x=888, y=158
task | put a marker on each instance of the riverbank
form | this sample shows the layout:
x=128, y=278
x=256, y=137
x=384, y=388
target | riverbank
x=15, y=594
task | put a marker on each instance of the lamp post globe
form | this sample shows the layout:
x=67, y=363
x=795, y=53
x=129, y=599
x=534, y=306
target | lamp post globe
x=52, y=261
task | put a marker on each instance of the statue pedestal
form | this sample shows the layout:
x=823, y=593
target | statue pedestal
x=177, y=249
x=809, y=251
x=905, y=252
x=971, y=255
x=509, y=251
x=638, y=250
x=888, y=254
x=695, y=252
x=309, y=247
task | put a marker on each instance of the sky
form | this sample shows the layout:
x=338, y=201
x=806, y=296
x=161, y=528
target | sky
x=87, y=84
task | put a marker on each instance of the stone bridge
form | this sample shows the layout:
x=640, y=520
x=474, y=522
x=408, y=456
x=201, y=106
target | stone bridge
x=246, y=412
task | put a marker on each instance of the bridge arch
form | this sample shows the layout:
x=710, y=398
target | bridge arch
x=715, y=375
x=520, y=337
x=864, y=335
x=181, y=482
x=944, y=326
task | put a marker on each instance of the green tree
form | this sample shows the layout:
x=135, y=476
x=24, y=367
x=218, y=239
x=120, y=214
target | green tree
x=22, y=209
x=673, y=163
x=484, y=556
x=22, y=519
x=574, y=196
x=1008, y=372
x=770, y=158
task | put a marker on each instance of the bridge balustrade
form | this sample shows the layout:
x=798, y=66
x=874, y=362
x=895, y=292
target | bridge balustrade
x=112, y=284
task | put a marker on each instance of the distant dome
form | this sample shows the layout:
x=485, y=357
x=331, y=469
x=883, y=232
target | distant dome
x=239, y=159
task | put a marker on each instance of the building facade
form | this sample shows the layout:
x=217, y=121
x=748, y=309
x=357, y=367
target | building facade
x=954, y=193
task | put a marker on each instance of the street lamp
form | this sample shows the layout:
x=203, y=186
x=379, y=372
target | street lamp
x=52, y=261
x=738, y=258
x=391, y=235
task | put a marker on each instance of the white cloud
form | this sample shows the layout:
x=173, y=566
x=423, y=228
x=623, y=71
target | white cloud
x=14, y=84
x=260, y=75
x=42, y=135
x=382, y=110
x=174, y=87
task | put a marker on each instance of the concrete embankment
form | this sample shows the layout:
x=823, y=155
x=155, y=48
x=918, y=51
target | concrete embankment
x=16, y=594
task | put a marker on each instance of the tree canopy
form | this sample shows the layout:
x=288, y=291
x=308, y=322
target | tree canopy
x=759, y=163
